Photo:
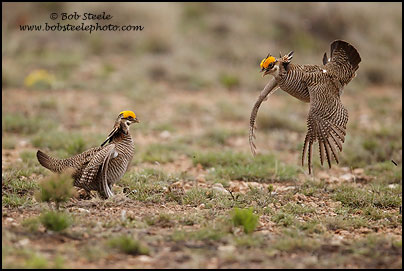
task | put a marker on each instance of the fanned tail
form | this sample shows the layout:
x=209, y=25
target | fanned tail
x=49, y=162
x=348, y=51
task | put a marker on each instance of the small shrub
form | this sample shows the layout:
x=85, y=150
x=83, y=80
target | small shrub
x=31, y=224
x=229, y=81
x=245, y=218
x=57, y=188
x=55, y=221
x=128, y=245
x=283, y=219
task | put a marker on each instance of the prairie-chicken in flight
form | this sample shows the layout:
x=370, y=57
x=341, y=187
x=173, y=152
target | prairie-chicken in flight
x=319, y=85
x=99, y=167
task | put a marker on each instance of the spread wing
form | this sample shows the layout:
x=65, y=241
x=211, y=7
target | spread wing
x=268, y=89
x=98, y=161
x=344, y=61
x=326, y=122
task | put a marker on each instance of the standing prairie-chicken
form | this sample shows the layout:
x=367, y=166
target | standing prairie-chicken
x=319, y=85
x=99, y=167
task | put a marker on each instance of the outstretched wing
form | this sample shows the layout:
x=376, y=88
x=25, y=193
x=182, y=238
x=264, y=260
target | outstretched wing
x=90, y=172
x=326, y=122
x=344, y=61
x=268, y=89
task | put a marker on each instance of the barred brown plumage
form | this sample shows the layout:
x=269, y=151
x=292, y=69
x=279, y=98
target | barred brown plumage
x=99, y=167
x=319, y=85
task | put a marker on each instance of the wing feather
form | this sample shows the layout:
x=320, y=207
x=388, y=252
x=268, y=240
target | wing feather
x=326, y=122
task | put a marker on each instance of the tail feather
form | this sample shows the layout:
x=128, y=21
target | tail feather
x=348, y=50
x=49, y=162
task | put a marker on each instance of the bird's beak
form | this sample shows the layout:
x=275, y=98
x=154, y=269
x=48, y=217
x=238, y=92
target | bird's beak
x=136, y=120
x=265, y=72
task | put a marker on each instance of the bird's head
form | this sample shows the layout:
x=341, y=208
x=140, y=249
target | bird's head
x=271, y=65
x=127, y=117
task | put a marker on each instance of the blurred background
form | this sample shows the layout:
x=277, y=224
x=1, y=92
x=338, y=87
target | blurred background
x=192, y=75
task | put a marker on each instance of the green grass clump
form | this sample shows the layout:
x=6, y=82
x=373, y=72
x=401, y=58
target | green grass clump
x=17, y=186
x=385, y=172
x=56, y=188
x=207, y=233
x=128, y=245
x=379, y=196
x=229, y=112
x=296, y=243
x=25, y=124
x=8, y=142
x=69, y=143
x=281, y=121
x=162, y=220
x=377, y=146
x=345, y=223
x=245, y=218
x=162, y=153
x=55, y=221
x=148, y=185
x=226, y=158
x=229, y=81
x=297, y=209
x=196, y=196
x=283, y=219
x=31, y=224
x=241, y=166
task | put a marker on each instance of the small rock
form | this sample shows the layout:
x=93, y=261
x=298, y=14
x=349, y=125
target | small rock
x=218, y=187
x=176, y=184
x=347, y=177
x=165, y=134
x=187, y=186
x=23, y=143
x=202, y=206
x=358, y=171
x=23, y=242
x=346, y=169
x=285, y=188
x=201, y=178
x=144, y=258
x=392, y=186
x=227, y=249
x=323, y=175
x=9, y=219
x=123, y=215
x=82, y=210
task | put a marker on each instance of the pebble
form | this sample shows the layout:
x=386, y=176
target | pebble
x=358, y=171
x=347, y=177
x=218, y=187
x=123, y=215
x=144, y=258
x=23, y=242
x=323, y=175
x=82, y=210
x=228, y=248
x=165, y=134
x=392, y=186
x=201, y=178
